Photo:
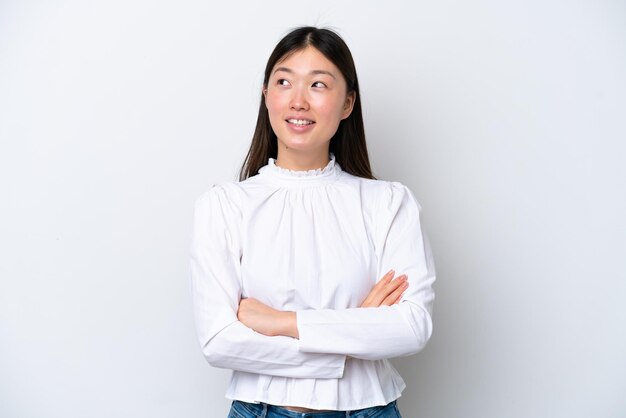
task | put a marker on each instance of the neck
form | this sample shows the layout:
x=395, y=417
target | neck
x=302, y=161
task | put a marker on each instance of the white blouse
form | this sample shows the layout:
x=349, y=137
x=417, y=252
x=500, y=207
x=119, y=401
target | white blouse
x=314, y=242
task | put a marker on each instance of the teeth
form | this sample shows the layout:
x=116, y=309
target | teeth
x=300, y=122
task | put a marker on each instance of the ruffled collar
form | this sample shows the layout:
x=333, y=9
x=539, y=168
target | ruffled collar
x=329, y=171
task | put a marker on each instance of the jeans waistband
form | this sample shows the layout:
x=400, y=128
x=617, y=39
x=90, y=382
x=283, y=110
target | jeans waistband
x=263, y=410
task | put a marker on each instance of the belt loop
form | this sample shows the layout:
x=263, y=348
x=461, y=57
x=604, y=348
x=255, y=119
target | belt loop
x=264, y=412
x=348, y=414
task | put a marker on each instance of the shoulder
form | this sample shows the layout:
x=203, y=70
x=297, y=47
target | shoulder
x=224, y=196
x=382, y=194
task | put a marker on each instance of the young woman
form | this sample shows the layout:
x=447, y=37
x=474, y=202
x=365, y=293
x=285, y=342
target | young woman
x=308, y=274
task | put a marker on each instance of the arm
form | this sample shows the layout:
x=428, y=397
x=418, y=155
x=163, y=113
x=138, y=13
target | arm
x=215, y=288
x=385, y=331
x=272, y=322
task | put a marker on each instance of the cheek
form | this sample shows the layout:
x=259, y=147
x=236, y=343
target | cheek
x=274, y=104
x=332, y=111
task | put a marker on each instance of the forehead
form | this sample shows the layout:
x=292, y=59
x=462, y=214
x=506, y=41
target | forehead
x=306, y=60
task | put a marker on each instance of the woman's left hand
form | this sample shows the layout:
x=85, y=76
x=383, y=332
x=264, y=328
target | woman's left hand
x=267, y=320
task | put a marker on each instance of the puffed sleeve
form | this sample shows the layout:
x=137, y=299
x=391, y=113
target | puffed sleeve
x=387, y=331
x=216, y=291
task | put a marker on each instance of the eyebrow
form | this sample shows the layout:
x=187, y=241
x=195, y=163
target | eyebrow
x=289, y=70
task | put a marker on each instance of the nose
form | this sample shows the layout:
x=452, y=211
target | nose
x=299, y=99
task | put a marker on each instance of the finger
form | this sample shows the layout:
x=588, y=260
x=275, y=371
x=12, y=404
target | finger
x=394, y=296
x=385, y=279
x=392, y=286
x=372, y=296
x=389, y=275
x=380, y=294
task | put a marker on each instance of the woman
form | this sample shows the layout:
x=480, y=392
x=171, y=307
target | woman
x=285, y=262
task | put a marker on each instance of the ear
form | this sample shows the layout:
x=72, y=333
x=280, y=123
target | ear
x=348, y=105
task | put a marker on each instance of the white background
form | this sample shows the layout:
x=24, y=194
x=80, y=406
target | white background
x=506, y=119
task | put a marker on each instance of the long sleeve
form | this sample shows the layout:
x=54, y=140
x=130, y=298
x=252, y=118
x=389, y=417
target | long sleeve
x=387, y=331
x=216, y=291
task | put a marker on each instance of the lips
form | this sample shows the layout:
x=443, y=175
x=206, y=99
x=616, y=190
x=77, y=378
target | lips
x=300, y=122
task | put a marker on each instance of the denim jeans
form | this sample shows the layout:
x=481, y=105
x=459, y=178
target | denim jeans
x=253, y=410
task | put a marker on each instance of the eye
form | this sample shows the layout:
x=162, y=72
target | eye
x=319, y=84
x=282, y=82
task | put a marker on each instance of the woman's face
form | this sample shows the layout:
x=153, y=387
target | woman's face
x=306, y=98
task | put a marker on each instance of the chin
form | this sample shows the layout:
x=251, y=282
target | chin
x=302, y=146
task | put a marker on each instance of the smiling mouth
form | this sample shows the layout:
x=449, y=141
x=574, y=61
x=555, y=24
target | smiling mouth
x=300, y=122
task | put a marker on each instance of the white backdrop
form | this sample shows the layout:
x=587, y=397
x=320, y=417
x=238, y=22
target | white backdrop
x=504, y=118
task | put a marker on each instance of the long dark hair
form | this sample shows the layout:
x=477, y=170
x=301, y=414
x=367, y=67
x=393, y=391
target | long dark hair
x=348, y=144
